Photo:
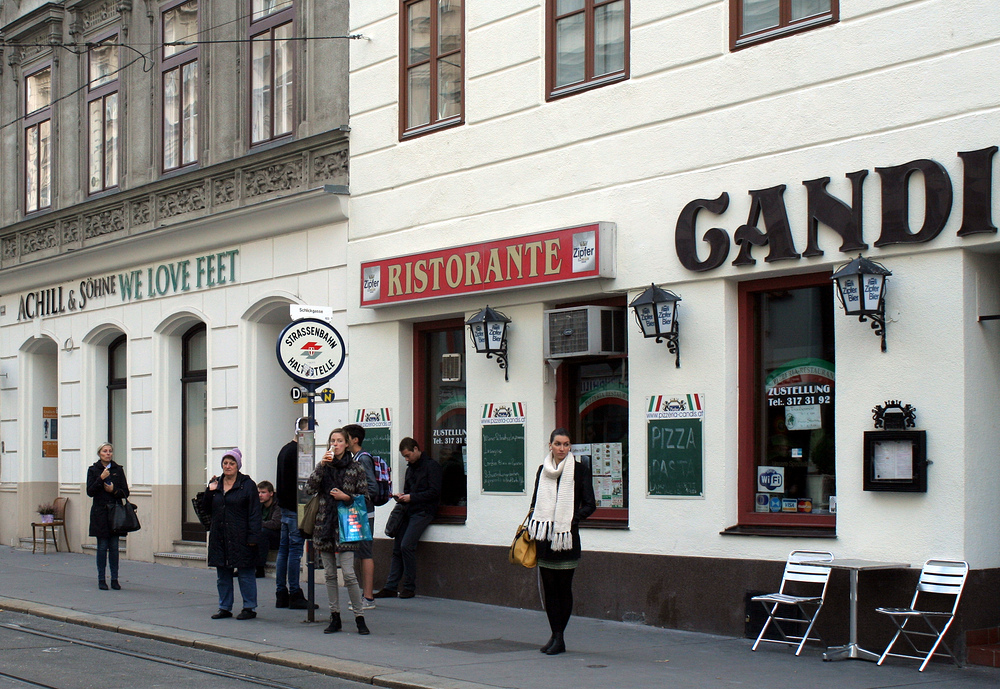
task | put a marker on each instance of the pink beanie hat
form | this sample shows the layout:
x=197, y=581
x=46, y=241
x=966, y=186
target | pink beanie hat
x=237, y=455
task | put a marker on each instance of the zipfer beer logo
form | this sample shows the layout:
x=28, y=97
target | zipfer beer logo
x=584, y=251
x=371, y=285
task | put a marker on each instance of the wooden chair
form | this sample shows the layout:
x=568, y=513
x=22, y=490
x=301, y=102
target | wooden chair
x=58, y=519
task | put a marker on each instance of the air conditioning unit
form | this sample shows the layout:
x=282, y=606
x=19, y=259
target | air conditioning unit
x=584, y=331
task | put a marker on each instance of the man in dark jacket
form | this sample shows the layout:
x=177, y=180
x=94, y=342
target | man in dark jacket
x=288, y=591
x=421, y=495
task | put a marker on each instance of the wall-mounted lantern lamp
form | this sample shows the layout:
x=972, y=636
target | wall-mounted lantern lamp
x=488, y=330
x=861, y=289
x=656, y=312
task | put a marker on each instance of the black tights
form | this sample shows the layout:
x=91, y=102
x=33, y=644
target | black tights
x=558, y=587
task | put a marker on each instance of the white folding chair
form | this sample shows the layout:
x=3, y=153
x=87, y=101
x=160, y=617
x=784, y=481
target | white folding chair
x=940, y=586
x=803, y=586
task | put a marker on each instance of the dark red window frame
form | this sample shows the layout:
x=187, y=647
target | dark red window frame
x=448, y=514
x=612, y=517
x=750, y=409
x=552, y=92
x=786, y=27
x=406, y=132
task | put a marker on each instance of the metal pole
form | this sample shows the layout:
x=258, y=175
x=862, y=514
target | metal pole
x=310, y=554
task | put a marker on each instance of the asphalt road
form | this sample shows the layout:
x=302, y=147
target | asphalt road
x=35, y=652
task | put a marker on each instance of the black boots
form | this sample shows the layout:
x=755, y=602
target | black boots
x=281, y=599
x=548, y=644
x=297, y=601
x=102, y=584
x=115, y=585
x=335, y=624
x=362, y=627
x=555, y=646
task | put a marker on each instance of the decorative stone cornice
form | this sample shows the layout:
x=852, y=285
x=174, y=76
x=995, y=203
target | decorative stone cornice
x=250, y=181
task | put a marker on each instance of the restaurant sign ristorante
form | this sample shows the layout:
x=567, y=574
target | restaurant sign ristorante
x=574, y=253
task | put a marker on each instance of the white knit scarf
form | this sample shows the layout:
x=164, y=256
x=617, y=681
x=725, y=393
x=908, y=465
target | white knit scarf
x=554, y=504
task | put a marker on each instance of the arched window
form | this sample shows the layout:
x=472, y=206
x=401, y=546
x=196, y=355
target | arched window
x=117, y=394
x=194, y=426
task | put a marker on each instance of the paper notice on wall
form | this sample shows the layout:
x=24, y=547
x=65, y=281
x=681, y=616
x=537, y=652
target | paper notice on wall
x=803, y=418
x=50, y=432
x=603, y=491
x=893, y=460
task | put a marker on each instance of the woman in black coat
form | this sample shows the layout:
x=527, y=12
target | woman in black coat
x=234, y=534
x=106, y=484
x=563, y=497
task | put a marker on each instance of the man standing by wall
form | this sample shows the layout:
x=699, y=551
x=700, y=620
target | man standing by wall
x=288, y=592
x=364, y=563
x=422, y=495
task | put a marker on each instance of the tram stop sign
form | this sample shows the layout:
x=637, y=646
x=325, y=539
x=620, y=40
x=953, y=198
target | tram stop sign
x=311, y=351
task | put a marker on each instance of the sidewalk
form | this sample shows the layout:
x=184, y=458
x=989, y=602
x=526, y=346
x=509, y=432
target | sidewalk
x=432, y=642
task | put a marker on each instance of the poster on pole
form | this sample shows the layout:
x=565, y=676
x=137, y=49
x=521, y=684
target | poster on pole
x=503, y=447
x=675, y=446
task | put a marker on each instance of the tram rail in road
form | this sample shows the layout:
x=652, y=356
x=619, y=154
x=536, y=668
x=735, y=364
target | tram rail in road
x=87, y=657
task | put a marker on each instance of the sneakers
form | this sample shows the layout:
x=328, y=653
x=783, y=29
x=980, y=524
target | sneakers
x=222, y=614
x=405, y=593
x=366, y=604
x=246, y=614
x=385, y=593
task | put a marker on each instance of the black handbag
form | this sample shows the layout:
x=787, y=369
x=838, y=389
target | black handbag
x=395, y=519
x=204, y=516
x=122, y=517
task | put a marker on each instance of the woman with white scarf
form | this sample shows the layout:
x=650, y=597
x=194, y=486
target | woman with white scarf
x=564, y=496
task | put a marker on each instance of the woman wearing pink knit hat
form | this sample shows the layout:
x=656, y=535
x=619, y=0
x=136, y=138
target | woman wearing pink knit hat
x=234, y=534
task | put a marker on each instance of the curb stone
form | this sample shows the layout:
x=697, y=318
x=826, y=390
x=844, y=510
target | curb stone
x=351, y=670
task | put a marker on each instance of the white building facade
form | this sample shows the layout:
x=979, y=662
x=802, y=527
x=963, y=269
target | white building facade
x=735, y=153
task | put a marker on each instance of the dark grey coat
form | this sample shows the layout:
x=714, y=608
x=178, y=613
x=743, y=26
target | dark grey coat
x=236, y=524
x=99, y=522
x=350, y=478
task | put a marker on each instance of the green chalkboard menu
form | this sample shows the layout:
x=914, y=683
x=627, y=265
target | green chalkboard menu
x=377, y=423
x=378, y=441
x=675, y=446
x=503, y=448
